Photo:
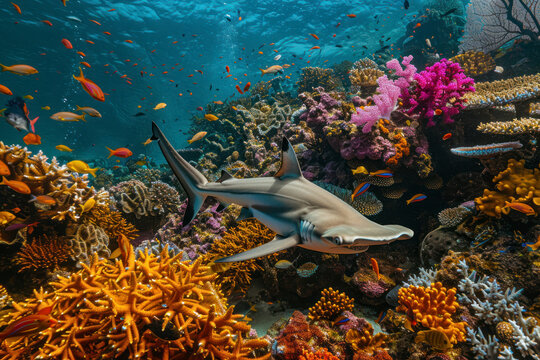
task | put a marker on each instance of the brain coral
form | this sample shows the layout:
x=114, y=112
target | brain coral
x=516, y=184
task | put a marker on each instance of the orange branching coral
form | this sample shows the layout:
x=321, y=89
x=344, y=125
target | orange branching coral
x=112, y=222
x=364, y=341
x=331, y=304
x=402, y=148
x=153, y=307
x=516, y=184
x=321, y=354
x=247, y=235
x=432, y=307
x=44, y=178
x=43, y=253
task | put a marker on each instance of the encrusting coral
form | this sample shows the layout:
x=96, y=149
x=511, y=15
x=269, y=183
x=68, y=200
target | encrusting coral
x=516, y=184
x=432, y=307
x=43, y=253
x=247, y=235
x=331, y=304
x=108, y=310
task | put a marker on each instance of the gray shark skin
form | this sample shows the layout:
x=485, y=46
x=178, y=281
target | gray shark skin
x=300, y=212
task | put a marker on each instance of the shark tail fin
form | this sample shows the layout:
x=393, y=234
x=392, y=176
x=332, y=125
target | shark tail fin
x=190, y=178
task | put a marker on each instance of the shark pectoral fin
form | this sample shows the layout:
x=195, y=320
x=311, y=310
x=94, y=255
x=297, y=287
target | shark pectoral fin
x=278, y=244
x=289, y=162
x=245, y=213
x=224, y=176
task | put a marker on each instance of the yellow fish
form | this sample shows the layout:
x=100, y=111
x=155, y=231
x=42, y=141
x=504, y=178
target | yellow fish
x=46, y=107
x=148, y=141
x=434, y=338
x=81, y=167
x=89, y=204
x=197, y=136
x=67, y=116
x=6, y=217
x=2, y=111
x=360, y=170
x=63, y=148
x=29, y=97
x=88, y=110
x=141, y=162
x=160, y=106
x=210, y=117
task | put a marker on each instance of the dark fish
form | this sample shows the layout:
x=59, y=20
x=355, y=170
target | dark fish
x=364, y=46
x=449, y=12
x=406, y=4
x=176, y=85
x=340, y=46
x=139, y=114
x=17, y=115
x=210, y=86
x=388, y=38
x=261, y=46
x=228, y=18
x=293, y=55
x=348, y=36
x=392, y=296
x=170, y=333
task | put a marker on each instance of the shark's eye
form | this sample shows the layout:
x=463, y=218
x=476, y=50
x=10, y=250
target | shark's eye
x=338, y=240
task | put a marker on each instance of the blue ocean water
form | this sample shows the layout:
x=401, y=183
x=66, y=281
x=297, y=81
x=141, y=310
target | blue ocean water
x=206, y=41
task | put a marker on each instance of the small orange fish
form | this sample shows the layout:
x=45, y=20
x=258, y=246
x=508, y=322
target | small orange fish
x=32, y=139
x=417, y=25
x=5, y=90
x=219, y=102
x=95, y=22
x=315, y=48
x=228, y=76
x=4, y=170
x=351, y=15
x=260, y=52
x=247, y=86
x=17, y=186
x=90, y=87
x=116, y=167
x=90, y=42
x=16, y=210
x=120, y=152
x=47, y=22
x=85, y=64
x=67, y=44
x=447, y=136
x=438, y=111
x=228, y=69
x=521, y=207
x=43, y=199
x=81, y=53
x=199, y=71
x=107, y=33
x=375, y=267
x=17, y=8
x=315, y=36
x=239, y=89
x=129, y=41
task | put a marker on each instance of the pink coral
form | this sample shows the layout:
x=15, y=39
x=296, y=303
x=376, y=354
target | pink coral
x=406, y=74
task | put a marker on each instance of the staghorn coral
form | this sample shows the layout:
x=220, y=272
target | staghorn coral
x=247, y=235
x=432, y=307
x=313, y=77
x=86, y=240
x=503, y=92
x=514, y=127
x=474, y=63
x=516, y=184
x=43, y=253
x=110, y=307
x=112, y=222
x=50, y=178
x=331, y=304
x=320, y=354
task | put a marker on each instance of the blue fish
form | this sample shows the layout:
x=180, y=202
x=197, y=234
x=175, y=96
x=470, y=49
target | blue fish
x=360, y=189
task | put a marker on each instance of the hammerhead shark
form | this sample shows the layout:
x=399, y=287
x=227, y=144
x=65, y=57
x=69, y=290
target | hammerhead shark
x=298, y=211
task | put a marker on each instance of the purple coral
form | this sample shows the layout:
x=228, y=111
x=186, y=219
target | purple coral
x=322, y=112
x=385, y=102
x=439, y=88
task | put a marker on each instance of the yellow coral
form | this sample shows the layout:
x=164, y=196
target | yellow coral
x=109, y=311
x=331, y=304
x=432, y=307
x=516, y=184
x=112, y=222
x=362, y=78
x=42, y=254
x=514, y=127
x=402, y=148
x=247, y=235
x=365, y=341
x=474, y=63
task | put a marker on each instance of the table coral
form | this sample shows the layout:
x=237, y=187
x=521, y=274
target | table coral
x=331, y=304
x=514, y=127
x=104, y=311
x=474, y=63
x=247, y=235
x=516, y=184
x=43, y=253
x=432, y=307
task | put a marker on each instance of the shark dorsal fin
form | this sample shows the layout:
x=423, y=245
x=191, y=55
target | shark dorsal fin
x=224, y=176
x=289, y=162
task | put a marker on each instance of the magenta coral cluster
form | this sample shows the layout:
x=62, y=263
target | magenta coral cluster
x=439, y=87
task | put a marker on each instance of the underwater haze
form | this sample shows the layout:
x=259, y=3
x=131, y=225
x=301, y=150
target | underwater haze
x=285, y=180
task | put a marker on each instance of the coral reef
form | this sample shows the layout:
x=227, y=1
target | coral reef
x=432, y=307
x=514, y=127
x=122, y=309
x=452, y=217
x=364, y=341
x=474, y=63
x=247, y=235
x=321, y=354
x=516, y=184
x=331, y=304
x=112, y=222
x=5, y=298
x=43, y=253
x=313, y=77
x=86, y=240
